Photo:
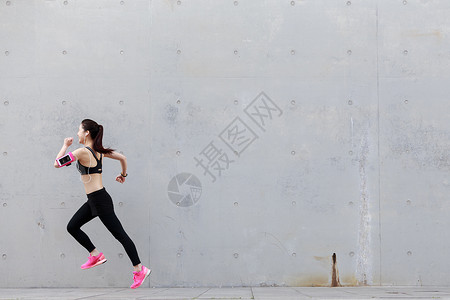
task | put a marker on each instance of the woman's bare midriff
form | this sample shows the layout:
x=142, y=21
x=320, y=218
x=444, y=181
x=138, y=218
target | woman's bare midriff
x=92, y=184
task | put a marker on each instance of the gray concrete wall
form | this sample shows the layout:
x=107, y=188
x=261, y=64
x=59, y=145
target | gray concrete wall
x=261, y=136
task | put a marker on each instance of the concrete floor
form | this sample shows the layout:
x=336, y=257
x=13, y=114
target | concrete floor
x=283, y=293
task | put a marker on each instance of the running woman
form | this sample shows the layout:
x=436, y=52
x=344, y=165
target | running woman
x=99, y=203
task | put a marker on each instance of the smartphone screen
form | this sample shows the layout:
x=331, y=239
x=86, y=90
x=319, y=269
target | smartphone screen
x=64, y=159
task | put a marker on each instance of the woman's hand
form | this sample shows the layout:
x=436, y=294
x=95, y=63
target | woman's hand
x=120, y=178
x=68, y=141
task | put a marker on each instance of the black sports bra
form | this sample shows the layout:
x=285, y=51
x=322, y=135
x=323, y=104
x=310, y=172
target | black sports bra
x=91, y=170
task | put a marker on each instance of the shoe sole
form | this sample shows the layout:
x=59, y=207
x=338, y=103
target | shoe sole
x=100, y=262
x=146, y=275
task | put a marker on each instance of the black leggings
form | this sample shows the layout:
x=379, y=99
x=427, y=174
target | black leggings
x=112, y=223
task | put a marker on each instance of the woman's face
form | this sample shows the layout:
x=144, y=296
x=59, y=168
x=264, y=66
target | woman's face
x=81, y=135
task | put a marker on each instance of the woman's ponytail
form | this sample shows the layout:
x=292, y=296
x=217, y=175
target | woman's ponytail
x=96, y=131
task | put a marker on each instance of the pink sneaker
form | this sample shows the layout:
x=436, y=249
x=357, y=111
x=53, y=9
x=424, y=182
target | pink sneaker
x=139, y=277
x=94, y=261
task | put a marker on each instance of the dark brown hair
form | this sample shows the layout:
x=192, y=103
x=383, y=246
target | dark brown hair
x=96, y=132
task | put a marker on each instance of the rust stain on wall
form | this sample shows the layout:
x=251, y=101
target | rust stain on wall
x=335, y=273
x=309, y=280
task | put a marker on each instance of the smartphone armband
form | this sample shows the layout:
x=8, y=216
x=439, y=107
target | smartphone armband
x=65, y=160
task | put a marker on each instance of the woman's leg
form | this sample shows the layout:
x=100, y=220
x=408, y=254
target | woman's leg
x=81, y=217
x=113, y=224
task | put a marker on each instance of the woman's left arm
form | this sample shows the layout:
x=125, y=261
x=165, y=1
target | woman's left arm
x=66, y=145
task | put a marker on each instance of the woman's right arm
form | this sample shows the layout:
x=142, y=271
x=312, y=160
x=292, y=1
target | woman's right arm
x=123, y=162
